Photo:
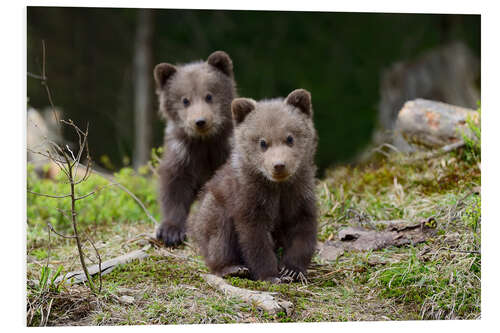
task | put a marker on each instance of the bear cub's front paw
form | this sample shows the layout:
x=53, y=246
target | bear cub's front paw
x=171, y=235
x=288, y=275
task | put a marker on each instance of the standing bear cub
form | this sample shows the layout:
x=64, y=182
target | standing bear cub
x=196, y=100
x=263, y=198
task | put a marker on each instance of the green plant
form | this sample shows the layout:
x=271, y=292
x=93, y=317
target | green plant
x=472, y=217
x=472, y=214
x=472, y=139
x=47, y=279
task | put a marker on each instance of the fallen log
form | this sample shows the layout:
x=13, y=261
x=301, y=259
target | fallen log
x=431, y=124
x=396, y=233
x=264, y=300
x=106, y=267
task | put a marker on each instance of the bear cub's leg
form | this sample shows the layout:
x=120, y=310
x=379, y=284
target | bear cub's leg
x=257, y=249
x=177, y=193
x=298, y=250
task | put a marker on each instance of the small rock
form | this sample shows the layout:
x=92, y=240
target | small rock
x=329, y=252
x=374, y=261
x=287, y=306
x=125, y=299
x=124, y=291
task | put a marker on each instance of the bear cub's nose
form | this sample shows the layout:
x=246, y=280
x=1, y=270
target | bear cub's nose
x=279, y=167
x=200, y=123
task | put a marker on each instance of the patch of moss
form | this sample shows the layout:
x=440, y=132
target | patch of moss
x=155, y=269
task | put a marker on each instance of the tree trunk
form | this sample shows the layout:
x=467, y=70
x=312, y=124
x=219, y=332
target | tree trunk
x=143, y=69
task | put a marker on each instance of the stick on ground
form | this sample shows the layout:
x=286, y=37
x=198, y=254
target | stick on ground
x=106, y=266
x=264, y=300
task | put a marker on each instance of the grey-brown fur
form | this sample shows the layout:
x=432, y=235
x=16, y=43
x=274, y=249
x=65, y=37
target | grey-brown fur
x=196, y=136
x=248, y=209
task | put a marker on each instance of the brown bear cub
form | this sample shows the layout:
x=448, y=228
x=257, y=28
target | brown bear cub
x=263, y=198
x=196, y=100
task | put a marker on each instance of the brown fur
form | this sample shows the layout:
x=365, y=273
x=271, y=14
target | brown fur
x=196, y=136
x=250, y=208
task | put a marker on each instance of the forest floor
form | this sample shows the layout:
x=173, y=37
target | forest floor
x=437, y=279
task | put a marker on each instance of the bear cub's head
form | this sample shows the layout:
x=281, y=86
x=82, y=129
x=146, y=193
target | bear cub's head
x=197, y=96
x=274, y=138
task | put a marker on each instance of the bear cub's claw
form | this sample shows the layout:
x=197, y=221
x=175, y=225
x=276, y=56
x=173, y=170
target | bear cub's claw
x=170, y=235
x=288, y=275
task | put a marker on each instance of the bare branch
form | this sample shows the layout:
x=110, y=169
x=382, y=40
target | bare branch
x=85, y=146
x=64, y=214
x=44, y=83
x=390, y=147
x=87, y=170
x=380, y=150
x=43, y=61
x=139, y=202
x=57, y=233
x=462, y=251
x=72, y=124
x=50, y=196
x=60, y=164
x=40, y=153
x=48, y=253
x=436, y=153
x=86, y=195
x=34, y=76
x=72, y=155
x=95, y=191
x=100, y=262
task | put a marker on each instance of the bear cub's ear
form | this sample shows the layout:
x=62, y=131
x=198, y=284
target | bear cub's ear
x=221, y=61
x=241, y=107
x=162, y=73
x=301, y=99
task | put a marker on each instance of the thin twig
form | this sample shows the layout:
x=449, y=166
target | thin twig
x=388, y=145
x=95, y=191
x=436, y=153
x=129, y=193
x=44, y=83
x=100, y=263
x=74, y=221
x=48, y=256
x=462, y=251
x=39, y=77
x=50, y=196
x=381, y=151
x=57, y=233
x=72, y=155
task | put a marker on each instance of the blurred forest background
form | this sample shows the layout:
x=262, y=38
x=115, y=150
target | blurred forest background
x=99, y=65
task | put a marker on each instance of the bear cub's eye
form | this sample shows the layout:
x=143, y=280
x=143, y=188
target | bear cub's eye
x=185, y=101
x=263, y=144
x=208, y=98
x=289, y=140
